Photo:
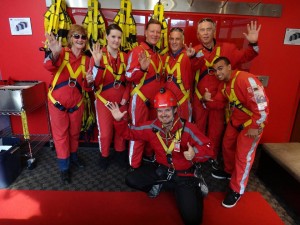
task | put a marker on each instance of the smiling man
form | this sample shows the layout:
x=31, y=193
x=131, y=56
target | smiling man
x=178, y=145
x=144, y=70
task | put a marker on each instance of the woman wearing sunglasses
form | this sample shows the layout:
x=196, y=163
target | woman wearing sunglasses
x=110, y=86
x=68, y=66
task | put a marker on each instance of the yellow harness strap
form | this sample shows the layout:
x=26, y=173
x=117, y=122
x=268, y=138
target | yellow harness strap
x=169, y=149
x=137, y=88
x=117, y=76
x=235, y=102
x=178, y=77
x=73, y=76
x=207, y=64
x=25, y=125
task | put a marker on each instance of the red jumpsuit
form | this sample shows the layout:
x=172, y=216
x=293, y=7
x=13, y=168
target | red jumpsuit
x=209, y=117
x=139, y=111
x=176, y=82
x=114, y=89
x=239, y=149
x=66, y=125
x=147, y=131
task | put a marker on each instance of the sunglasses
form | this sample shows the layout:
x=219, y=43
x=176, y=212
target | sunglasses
x=206, y=20
x=77, y=36
x=176, y=29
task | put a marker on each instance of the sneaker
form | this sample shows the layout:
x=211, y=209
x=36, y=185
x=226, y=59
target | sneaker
x=78, y=163
x=214, y=164
x=231, y=199
x=150, y=159
x=155, y=190
x=220, y=174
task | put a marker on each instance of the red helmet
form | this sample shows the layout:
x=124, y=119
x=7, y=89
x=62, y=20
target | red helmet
x=165, y=98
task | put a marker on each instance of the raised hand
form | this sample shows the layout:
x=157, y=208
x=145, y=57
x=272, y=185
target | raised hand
x=144, y=60
x=53, y=44
x=207, y=96
x=253, y=32
x=190, y=153
x=190, y=51
x=96, y=53
x=115, y=111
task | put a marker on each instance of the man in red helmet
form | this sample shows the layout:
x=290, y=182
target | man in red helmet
x=178, y=146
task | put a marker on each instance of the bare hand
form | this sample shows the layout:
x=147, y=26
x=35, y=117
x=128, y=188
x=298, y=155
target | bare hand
x=207, y=96
x=89, y=78
x=190, y=153
x=253, y=32
x=190, y=51
x=53, y=44
x=96, y=53
x=252, y=133
x=115, y=110
x=144, y=60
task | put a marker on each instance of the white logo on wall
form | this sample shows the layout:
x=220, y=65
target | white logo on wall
x=292, y=36
x=20, y=26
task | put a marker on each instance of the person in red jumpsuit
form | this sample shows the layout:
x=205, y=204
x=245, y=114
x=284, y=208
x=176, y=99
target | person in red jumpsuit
x=110, y=86
x=178, y=72
x=209, y=117
x=144, y=70
x=68, y=66
x=178, y=146
x=249, y=109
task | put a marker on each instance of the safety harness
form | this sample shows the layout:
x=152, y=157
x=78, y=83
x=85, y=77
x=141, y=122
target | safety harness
x=158, y=14
x=143, y=81
x=126, y=21
x=94, y=23
x=199, y=77
x=72, y=82
x=178, y=79
x=234, y=102
x=117, y=77
x=57, y=21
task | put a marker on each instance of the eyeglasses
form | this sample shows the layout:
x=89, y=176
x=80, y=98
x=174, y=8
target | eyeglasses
x=77, y=36
x=206, y=20
x=176, y=29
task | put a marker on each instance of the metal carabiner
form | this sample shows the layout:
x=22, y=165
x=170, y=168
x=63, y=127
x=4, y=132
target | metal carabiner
x=72, y=82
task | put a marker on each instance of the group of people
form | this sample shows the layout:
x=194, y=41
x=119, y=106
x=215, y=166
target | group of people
x=171, y=108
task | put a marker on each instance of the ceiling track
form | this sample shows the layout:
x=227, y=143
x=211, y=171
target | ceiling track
x=197, y=6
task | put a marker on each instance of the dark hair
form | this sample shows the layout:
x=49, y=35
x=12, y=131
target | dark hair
x=222, y=58
x=207, y=20
x=153, y=21
x=177, y=29
x=113, y=26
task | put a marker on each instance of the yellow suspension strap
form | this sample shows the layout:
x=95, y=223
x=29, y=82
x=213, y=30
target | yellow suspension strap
x=158, y=14
x=25, y=125
x=94, y=23
x=72, y=82
x=235, y=102
x=117, y=76
x=57, y=21
x=208, y=64
x=126, y=22
x=136, y=89
x=178, y=79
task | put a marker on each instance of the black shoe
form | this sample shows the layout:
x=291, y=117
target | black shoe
x=103, y=163
x=78, y=163
x=220, y=174
x=214, y=164
x=150, y=159
x=231, y=199
x=122, y=159
x=65, y=177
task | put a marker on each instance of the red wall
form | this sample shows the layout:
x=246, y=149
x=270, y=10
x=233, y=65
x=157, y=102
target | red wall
x=20, y=59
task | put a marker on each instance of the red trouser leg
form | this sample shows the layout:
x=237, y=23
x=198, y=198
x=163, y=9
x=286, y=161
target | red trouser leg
x=243, y=158
x=139, y=112
x=215, y=129
x=119, y=142
x=65, y=130
x=105, y=127
x=200, y=115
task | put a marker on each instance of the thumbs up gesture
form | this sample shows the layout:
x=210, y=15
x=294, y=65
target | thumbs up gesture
x=207, y=96
x=190, y=153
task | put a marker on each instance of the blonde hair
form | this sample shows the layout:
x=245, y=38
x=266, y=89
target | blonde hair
x=75, y=29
